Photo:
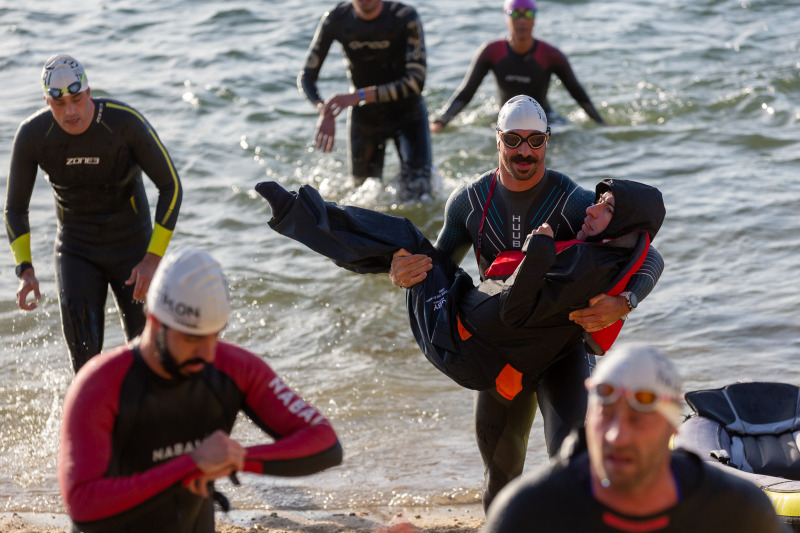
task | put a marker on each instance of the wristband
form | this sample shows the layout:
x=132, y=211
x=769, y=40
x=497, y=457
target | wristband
x=361, y=95
x=22, y=267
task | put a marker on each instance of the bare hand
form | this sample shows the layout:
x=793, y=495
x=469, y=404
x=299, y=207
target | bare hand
x=199, y=486
x=603, y=311
x=142, y=274
x=407, y=270
x=326, y=132
x=338, y=103
x=544, y=229
x=218, y=456
x=436, y=127
x=28, y=283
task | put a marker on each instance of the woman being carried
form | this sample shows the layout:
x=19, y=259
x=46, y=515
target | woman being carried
x=481, y=337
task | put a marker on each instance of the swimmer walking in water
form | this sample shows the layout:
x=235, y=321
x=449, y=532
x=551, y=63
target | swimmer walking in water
x=384, y=45
x=94, y=151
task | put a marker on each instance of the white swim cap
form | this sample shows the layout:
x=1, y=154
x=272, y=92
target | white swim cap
x=189, y=293
x=522, y=113
x=642, y=368
x=60, y=71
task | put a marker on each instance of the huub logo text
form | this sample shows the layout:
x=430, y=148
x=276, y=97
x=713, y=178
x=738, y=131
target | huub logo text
x=83, y=161
x=373, y=45
x=516, y=231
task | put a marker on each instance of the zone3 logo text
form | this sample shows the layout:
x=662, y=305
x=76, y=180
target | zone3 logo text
x=83, y=161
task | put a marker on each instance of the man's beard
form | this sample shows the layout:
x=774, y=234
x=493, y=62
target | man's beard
x=168, y=361
x=517, y=158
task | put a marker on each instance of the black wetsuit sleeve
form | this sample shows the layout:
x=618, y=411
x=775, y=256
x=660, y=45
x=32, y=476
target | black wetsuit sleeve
x=19, y=188
x=472, y=80
x=413, y=80
x=454, y=239
x=315, y=57
x=154, y=160
x=536, y=290
x=645, y=279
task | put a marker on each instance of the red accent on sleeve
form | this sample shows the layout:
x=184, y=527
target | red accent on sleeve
x=90, y=409
x=303, y=430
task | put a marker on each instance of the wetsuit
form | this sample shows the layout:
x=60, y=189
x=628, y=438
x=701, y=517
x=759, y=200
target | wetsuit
x=104, y=226
x=527, y=73
x=482, y=337
x=388, y=53
x=127, y=433
x=560, y=501
x=502, y=427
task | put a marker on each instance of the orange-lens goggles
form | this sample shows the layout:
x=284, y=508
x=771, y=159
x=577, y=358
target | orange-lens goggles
x=642, y=400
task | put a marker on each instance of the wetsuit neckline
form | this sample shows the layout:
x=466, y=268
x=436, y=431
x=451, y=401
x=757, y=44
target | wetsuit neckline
x=522, y=54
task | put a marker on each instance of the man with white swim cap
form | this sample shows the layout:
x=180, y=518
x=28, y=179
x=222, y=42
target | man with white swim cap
x=630, y=480
x=93, y=151
x=521, y=64
x=146, y=426
x=493, y=215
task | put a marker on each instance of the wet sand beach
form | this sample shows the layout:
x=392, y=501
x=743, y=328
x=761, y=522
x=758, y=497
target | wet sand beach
x=438, y=519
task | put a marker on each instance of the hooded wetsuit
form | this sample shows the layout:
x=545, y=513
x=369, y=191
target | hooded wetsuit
x=387, y=52
x=514, y=73
x=104, y=226
x=127, y=433
x=471, y=334
x=559, y=500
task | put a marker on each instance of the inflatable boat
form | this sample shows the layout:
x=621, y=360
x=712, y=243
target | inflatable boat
x=751, y=430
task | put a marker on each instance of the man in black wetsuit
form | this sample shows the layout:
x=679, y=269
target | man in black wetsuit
x=494, y=214
x=146, y=426
x=384, y=46
x=629, y=480
x=93, y=152
x=521, y=65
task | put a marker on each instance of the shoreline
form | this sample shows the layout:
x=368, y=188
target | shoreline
x=464, y=518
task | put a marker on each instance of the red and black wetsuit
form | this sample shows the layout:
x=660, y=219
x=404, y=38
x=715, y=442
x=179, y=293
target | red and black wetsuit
x=104, y=226
x=127, y=434
x=527, y=73
x=387, y=52
x=559, y=500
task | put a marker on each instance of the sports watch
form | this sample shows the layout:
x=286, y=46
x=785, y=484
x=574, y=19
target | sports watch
x=630, y=299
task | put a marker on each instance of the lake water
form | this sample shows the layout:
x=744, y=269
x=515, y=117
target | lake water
x=703, y=101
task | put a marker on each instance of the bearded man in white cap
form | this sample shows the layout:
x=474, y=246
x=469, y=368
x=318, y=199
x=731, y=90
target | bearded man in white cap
x=93, y=152
x=494, y=214
x=630, y=480
x=146, y=426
